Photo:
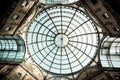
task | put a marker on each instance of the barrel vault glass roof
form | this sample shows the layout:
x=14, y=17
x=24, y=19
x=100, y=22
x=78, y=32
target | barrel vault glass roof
x=12, y=49
x=58, y=1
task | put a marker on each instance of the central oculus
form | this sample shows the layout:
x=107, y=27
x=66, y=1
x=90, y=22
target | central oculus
x=61, y=40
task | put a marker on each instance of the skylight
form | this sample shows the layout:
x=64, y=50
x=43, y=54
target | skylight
x=62, y=39
x=58, y=1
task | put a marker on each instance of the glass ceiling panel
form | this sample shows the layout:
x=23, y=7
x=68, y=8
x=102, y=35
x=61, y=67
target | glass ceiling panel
x=110, y=52
x=58, y=78
x=12, y=49
x=62, y=39
x=58, y=1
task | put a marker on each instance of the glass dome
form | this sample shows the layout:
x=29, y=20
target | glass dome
x=62, y=39
x=58, y=1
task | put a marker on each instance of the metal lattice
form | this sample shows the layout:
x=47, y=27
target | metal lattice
x=62, y=39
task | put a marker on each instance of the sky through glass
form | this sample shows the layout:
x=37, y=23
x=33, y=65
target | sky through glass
x=62, y=39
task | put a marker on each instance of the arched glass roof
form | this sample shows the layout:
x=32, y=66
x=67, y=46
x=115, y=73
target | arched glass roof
x=62, y=39
x=110, y=52
x=12, y=49
x=58, y=1
x=58, y=78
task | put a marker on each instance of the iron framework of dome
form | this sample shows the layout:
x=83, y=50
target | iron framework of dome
x=62, y=39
